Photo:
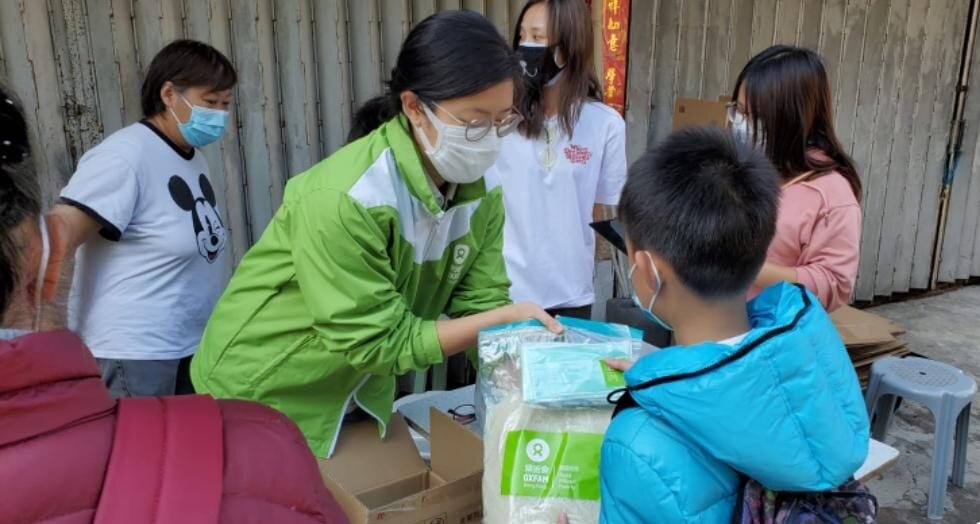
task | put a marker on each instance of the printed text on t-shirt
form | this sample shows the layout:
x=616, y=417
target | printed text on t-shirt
x=577, y=154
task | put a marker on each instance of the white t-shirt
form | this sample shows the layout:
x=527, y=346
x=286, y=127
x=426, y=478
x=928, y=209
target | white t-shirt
x=550, y=185
x=734, y=341
x=144, y=288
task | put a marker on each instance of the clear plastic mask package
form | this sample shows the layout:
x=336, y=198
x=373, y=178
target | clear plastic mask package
x=558, y=374
x=541, y=458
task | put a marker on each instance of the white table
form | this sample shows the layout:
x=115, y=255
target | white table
x=415, y=408
x=881, y=457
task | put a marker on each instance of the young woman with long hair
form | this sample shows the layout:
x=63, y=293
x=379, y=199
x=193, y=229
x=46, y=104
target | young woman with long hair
x=568, y=160
x=783, y=105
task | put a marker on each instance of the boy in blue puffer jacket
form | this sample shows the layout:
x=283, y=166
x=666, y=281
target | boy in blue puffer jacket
x=763, y=390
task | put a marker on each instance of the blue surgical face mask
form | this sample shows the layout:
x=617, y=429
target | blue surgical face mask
x=205, y=126
x=648, y=309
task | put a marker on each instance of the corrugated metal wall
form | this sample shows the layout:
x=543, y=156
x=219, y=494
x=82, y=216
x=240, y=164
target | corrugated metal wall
x=894, y=66
x=304, y=65
x=960, y=253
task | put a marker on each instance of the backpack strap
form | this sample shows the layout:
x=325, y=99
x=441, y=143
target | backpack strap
x=167, y=462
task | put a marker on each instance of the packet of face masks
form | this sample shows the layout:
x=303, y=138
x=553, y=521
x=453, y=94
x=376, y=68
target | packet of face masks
x=567, y=375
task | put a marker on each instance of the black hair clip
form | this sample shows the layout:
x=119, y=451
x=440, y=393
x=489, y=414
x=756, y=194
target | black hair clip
x=13, y=140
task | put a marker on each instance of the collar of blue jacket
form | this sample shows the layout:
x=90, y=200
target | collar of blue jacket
x=783, y=407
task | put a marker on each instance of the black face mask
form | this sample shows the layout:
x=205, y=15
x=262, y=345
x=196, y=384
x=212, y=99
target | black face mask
x=537, y=63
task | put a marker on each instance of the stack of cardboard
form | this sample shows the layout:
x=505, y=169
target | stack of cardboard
x=698, y=112
x=868, y=337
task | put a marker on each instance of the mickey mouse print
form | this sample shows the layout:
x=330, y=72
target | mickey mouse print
x=209, y=230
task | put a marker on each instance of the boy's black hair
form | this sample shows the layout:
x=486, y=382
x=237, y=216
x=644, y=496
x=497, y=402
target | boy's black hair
x=707, y=203
x=186, y=63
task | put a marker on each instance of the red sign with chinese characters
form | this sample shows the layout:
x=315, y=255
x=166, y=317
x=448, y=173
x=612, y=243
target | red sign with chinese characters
x=615, y=36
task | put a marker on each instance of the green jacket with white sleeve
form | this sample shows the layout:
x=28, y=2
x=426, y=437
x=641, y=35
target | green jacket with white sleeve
x=341, y=293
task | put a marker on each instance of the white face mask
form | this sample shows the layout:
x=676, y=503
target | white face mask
x=42, y=270
x=741, y=127
x=456, y=159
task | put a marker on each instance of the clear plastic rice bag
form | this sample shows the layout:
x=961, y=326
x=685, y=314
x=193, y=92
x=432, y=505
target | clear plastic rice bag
x=541, y=458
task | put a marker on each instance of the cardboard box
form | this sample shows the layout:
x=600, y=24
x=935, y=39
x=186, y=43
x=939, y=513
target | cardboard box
x=377, y=480
x=697, y=112
x=860, y=328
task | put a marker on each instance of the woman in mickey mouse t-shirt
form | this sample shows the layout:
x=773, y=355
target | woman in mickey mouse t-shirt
x=142, y=214
x=568, y=160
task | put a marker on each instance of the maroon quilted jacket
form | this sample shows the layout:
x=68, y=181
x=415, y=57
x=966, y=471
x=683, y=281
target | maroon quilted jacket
x=56, y=433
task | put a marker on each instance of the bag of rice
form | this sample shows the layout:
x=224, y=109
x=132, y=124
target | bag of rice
x=541, y=458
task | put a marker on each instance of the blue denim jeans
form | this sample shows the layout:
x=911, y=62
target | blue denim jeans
x=146, y=378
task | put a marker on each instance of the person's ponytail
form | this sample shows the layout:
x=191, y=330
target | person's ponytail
x=372, y=114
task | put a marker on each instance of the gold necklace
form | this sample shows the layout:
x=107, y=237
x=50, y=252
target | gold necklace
x=548, y=156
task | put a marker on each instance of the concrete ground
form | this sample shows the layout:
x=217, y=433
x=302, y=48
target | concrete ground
x=946, y=328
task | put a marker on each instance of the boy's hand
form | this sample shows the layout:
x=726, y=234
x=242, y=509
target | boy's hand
x=563, y=519
x=619, y=364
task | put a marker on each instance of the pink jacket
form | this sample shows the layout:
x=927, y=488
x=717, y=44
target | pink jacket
x=56, y=434
x=819, y=233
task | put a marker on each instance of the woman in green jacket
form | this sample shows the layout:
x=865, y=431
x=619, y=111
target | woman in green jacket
x=372, y=245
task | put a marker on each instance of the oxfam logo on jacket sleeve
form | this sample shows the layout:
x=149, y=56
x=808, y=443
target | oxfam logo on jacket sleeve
x=460, y=254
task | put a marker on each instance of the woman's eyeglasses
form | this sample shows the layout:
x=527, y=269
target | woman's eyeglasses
x=477, y=129
x=464, y=414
